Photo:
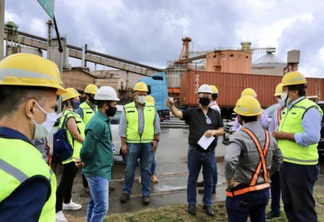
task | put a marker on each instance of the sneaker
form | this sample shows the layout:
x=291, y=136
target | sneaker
x=139, y=179
x=60, y=217
x=154, y=179
x=71, y=206
x=271, y=215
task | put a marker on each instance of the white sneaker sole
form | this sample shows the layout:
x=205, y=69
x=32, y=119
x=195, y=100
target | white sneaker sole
x=70, y=208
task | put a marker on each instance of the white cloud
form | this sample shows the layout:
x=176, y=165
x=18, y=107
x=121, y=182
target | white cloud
x=150, y=32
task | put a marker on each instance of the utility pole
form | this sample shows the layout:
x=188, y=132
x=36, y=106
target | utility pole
x=2, y=11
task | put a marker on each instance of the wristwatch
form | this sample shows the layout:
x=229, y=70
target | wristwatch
x=156, y=140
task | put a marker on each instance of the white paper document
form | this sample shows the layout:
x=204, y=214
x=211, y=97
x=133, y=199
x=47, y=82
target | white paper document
x=204, y=142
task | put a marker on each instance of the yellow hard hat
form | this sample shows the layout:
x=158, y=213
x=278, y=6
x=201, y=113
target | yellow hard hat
x=248, y=106
x=140, y=86
x=278, y=90
x=24, y=69
x=91, y=89
x=293, y=78
x=214, y=89
x=150, y=99
x=249, y=92
x=70, y=93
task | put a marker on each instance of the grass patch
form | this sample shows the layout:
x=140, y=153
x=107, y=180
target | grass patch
x=172, y=213
x=178, y=213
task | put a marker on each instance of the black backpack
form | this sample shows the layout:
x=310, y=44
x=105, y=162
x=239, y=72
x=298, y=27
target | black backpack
x=62, y=149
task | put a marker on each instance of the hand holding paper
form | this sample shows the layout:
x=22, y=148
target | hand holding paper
x=204, y=142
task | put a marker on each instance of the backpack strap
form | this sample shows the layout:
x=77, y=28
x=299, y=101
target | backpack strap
x=65, y=120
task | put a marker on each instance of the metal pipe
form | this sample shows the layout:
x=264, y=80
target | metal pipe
x=94, y=53
x=49, y=33
x=124, y=60
x=61, y=62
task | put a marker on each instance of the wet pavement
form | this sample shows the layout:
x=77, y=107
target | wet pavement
x=171, y=171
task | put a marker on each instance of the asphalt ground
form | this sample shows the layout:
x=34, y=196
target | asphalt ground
x=171, y=171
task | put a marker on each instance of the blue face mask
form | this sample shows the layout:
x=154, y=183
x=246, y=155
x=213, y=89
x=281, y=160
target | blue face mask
x=75, y=104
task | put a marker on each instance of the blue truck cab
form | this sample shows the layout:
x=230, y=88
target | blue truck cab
x=158, y=88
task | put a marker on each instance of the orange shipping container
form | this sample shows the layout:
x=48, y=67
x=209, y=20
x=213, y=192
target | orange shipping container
x=230, y=86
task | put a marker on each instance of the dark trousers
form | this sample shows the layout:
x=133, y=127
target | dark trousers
x=275, y=192
x=297, y=183
x=196, y=159
x=251, y=204
x=85, y=182
x=64, y=190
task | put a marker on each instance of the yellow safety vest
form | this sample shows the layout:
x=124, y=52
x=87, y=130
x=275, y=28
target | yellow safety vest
x=291, y=122
x=87, y=112
x=132, y=135
x=76, y=145
x=20, y=161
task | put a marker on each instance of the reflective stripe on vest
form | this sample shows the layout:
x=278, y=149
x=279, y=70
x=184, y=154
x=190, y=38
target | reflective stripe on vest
x=131, y=112
x=87, y=112
x=13, y=171
x=262, y=164
x=20, y=161
x=291, y=122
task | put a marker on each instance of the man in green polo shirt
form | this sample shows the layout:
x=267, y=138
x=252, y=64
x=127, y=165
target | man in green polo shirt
x=97, y=154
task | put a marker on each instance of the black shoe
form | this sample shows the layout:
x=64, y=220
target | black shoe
x=201, y=190
x=209, y=211
x=271, y=215
x=192, y=209
x=200, y=184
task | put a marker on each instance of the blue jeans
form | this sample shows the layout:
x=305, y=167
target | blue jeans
x=196, y=159
x=215, y=176
x=297, y=183
x=98, y=204
x=153, y=166
x=275, y=193
x=251, y=204
x=143, y=152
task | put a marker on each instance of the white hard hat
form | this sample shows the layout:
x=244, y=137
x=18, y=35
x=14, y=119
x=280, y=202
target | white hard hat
x=205, y=89
x=106, y=93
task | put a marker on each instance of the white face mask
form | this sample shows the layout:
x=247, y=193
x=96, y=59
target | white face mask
x=285, y=98
x=141, y=99
x=281, y=102
x=42, y=130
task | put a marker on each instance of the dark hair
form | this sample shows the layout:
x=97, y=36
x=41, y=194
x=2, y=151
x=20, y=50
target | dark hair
x=11, y=97
x=301, y=88
x=100, y=103
x=89, y=94
x=214, y=96
x=248, y=119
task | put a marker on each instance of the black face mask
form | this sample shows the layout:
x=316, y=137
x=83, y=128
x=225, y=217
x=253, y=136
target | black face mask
x=111, y=111
x=204, y=101
x=92, y=100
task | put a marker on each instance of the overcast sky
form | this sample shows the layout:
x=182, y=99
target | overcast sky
x=150, y=31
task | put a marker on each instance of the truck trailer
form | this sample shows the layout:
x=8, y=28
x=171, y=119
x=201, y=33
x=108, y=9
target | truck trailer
x=230, y=86
x=158, y=88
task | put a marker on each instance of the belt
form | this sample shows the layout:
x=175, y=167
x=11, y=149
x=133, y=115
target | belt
x=263, y=186
x=199, y=148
